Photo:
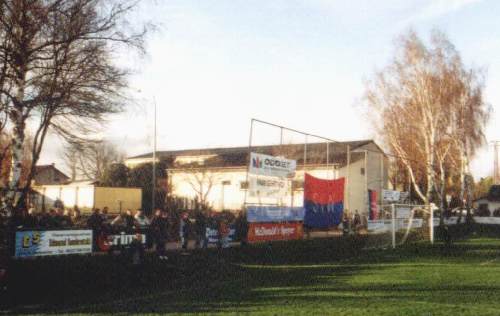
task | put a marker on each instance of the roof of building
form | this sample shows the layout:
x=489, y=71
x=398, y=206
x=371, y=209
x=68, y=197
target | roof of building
x=41, y=168
x=237, y=156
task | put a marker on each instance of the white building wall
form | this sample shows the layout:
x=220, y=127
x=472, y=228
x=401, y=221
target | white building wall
x=231, y=196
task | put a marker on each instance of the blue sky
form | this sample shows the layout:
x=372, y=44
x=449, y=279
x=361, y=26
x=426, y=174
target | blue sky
x=213, y=65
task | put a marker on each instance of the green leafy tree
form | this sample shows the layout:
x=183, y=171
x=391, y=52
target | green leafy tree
x=142, y=177
x=116, y=176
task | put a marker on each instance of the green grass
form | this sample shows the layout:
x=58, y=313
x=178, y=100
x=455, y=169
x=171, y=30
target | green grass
x=318, y=277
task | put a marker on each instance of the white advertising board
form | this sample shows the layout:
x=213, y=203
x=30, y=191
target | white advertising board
x=266, y=165
x=403, y=211
x=267, y=187
x=390, y=196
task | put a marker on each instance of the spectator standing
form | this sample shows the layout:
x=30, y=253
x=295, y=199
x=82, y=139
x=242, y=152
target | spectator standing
x=159, y=232
x=242, y=228
x=104, y=214
x=130, y=222
x=223, y=234
x=95, y=223
x=76, y=217
x=31, y=220
x=141, y=219
x=54, y=218
x=66, y=219
x=201, y=230
x=346, y=225
x=356, y=222
x=43, y=219
x=184, y=230
x=136, y=254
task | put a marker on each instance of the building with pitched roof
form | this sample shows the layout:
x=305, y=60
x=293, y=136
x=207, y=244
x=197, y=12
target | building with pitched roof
x=218, y=176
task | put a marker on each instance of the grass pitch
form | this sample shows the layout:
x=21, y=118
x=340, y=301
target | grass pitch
x=312, y=277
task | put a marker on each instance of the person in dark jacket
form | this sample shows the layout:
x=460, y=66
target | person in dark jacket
x=184, y=230
x=31, y=220
x=136, y=255
x=43, y=219
x=201, y=230
x=159, y=232
x=94, y=222
x=242, y=228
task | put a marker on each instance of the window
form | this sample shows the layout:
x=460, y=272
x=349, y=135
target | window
x=226, y=182
x=362, y=171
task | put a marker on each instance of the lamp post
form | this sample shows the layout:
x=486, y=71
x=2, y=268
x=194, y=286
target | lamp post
x=153, y=202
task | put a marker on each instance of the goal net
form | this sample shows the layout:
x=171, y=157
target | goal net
x=399, y=224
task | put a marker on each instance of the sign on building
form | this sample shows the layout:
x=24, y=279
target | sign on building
x=265, y=165
x=53, y=242
x=268, y=187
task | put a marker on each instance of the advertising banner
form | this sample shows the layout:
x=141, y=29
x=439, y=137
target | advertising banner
x=403, y=211
x=323, y=202
x=213, y=235
x=259, y=214
x=274, y=231
x=115, y=241
x=379, y=226
x=403, y=196
x=52, y=243
x=265, y=165
x=385, y=225
x=267, y=187
x=390, y=196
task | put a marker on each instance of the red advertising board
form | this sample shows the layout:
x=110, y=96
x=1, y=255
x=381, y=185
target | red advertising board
x=274, y=231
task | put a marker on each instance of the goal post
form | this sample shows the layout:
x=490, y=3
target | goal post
x=399, y=224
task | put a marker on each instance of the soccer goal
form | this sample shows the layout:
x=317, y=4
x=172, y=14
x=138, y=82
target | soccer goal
x=399, y=224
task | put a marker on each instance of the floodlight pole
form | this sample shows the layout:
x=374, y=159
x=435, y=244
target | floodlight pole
x=249, y=162
x=153, y=202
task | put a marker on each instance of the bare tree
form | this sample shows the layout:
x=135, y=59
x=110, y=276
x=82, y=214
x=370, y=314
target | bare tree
x=201, y=181
x=424, y=105
x=57, y=71
x=91, y=160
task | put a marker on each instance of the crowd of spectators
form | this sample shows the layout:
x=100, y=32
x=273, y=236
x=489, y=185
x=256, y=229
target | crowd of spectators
x=162, y=226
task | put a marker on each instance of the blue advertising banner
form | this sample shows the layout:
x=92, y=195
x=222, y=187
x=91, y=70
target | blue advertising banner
x=213, y=235
x=269, y=214
x=52, y=242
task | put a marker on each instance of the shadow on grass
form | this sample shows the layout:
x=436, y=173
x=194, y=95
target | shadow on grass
x=314, y=272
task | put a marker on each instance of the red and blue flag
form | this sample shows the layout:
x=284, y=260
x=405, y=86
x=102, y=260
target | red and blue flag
x=323, y=202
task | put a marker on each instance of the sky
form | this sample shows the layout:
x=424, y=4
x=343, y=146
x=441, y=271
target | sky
x=211, y=66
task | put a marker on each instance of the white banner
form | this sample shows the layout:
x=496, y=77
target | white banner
x=385, y=225
x=266, y=165
x=403, y=196
x=267, y=187
x=379, y=225
x=478, y=219
x=403, y=211
x=390, y=196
